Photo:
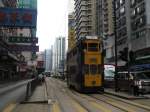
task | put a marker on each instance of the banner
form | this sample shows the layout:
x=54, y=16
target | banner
x=18, y=17
x=24, y=48
x=23, y=39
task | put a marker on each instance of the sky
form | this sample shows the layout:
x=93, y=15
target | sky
x=52, y=21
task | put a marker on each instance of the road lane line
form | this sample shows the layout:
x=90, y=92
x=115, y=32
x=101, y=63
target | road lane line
x=99, y=106
x=121, y=106
x=9, y=108
x=55, y=107
x=78, y=107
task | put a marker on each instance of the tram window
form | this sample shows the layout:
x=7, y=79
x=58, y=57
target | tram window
x=86, y=69
x=92, y=47
x=99, y=69
x=85, y=46
x=93, y=69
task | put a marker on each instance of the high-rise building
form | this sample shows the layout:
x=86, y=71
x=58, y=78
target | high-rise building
x=27, y=32
x=48, y=61
x=17, y=34
x=71, y=31
x=85, y=18
x=140, y=30
x=132, y=22
x=59, y=52
x=8, y=61
x=105, y=27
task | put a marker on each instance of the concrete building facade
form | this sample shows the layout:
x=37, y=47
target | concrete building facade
x=71, y=31
x=105, y=27
x=59, y=54
x=133, y=20
x=85, y=18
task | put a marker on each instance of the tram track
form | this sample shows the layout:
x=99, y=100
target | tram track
x=73, y=94
x=109, y=100
x=89, y=96
x=97, y=99
x=80, y=107
x=129, y=102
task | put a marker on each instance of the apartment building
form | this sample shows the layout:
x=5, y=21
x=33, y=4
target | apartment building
x=133, y=20
x=85, y=18
x=71, y=31
x=140, y=27
x=59, y=51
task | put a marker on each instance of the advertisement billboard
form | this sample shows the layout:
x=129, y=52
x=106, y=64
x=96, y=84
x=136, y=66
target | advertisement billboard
x=18, y=17
x=23, y=39
x=18, y=48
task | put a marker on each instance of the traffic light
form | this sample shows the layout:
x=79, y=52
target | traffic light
x=124, y=54
x=132, y=57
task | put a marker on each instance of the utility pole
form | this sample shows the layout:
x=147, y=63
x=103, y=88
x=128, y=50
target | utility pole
x=115, y=37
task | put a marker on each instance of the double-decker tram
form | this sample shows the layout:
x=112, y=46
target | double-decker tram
x=85, y=66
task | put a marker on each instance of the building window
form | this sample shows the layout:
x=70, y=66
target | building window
x=142, y=33
x=117, y=15
x=134, y=26
x=122, y=10
x=123, y=21
x=133, y=2
x=141, y=9
x=122, y=41
x=133, y=13
x=133, y=36
x=124, y=31
x=117, y=5
x=122, y=2
x=142, y=21
x=139, y=1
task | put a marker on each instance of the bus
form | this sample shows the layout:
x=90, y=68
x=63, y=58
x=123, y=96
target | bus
x=85, y=66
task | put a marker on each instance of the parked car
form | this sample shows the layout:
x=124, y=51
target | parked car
x=128, y=81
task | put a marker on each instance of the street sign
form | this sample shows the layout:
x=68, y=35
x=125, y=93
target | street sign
x=24, y=48
x=18, y=17
x=23, y=40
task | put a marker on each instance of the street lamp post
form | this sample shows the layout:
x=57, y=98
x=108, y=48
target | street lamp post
x=115, y=37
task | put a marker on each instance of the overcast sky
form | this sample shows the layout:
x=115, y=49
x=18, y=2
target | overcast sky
x=52, y=20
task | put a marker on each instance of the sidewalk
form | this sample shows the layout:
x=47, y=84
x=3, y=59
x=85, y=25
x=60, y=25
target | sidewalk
x=124, y=95
x=36, y=103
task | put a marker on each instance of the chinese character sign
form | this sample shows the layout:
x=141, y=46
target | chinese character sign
x=24, y=48
x=18, y=17
x=23, y=39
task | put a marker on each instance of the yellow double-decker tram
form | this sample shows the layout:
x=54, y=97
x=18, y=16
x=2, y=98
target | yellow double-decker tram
x=85, y=66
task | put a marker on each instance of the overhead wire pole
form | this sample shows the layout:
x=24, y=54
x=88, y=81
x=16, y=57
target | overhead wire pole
x=115, y=37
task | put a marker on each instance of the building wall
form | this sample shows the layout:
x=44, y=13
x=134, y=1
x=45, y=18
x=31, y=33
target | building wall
x=71, y=31
x=85, y=18
x=59, y=53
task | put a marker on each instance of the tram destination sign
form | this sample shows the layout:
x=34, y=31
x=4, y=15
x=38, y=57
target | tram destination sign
x=18, y=17
x=23, y=40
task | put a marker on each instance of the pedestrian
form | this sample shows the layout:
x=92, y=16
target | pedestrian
x=136, y=89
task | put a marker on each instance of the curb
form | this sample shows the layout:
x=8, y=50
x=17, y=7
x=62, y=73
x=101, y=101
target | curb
x=126, y=100
x=123, y=97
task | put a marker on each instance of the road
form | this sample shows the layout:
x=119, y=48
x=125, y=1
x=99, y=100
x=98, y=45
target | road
x=55, y=96
x=65, y=100
x=12, y=94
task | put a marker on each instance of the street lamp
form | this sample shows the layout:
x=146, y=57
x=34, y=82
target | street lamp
x=115, y=37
